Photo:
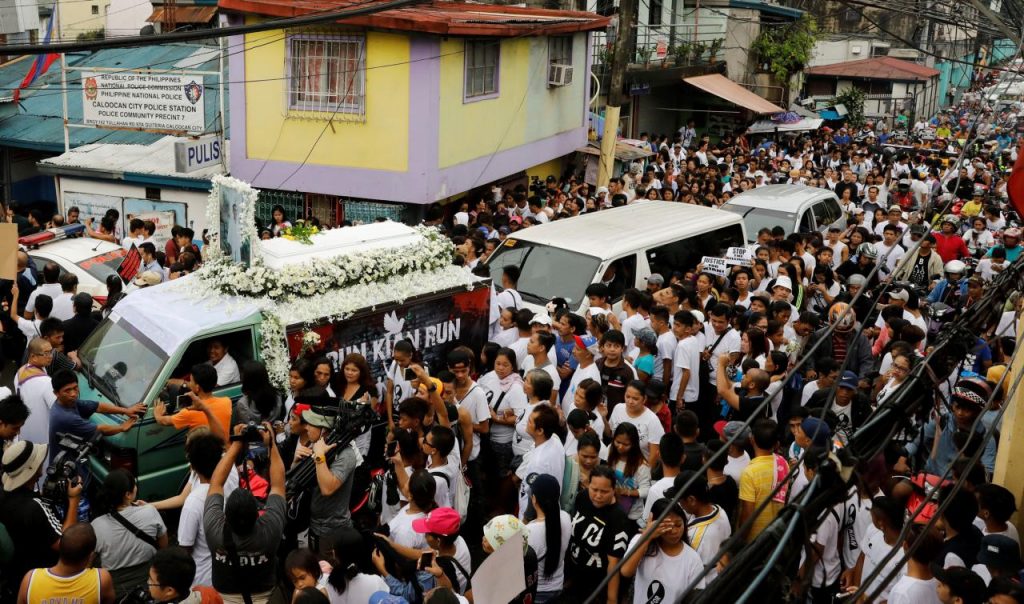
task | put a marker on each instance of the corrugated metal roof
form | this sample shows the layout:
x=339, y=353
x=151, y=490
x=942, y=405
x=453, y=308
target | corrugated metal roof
x=185, y=14
x=876, y=68
x=155, y=159
x=436, y=16
x=37, y=121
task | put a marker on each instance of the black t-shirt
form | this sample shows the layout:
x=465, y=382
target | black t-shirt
x=250, y=567
x=34, y=525
x=597, y=533
x=919, y=274
x=748, y=406
x=613, y=382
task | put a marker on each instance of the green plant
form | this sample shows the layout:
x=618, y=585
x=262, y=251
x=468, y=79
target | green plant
x=643, y=54
x=853, y=99
x=681, y=52
x=716, y=46
x=786, y=50
x=96, y=34
x=698, y=49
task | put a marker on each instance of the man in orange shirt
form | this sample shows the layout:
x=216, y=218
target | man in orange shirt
x=206, y=409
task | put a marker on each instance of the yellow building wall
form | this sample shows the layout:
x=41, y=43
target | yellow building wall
x=380, y=142
x=548, y=168
x=525, y=110
x=75, y=17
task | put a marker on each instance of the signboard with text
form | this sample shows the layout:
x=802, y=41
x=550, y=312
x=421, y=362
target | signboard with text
x=714, y=266
x=195, y=154
x=130, y=265
x=169, y=102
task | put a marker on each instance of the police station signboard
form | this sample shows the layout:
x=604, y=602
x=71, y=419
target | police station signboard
x=167, y=102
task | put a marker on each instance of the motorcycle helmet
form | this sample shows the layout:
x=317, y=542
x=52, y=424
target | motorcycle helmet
x=1012, y=232
x=841, y=316
x=955, y=267
x=868, y=250
x=951, y=219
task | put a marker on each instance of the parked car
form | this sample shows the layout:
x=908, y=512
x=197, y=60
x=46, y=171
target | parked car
x=91, y=260
x=795, y=208
x=622, y=246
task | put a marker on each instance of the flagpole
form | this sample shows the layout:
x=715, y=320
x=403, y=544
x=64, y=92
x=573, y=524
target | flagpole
x=63, y=81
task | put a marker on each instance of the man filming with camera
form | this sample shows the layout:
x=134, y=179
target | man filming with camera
x=243, y=541
x=33, y=522
x=198, y=406
x=329, y=509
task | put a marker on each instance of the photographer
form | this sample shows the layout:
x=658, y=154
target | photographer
x=31, y=520
x=329, y=509
x=70, y=415
x=205, y=409
x=242, y=540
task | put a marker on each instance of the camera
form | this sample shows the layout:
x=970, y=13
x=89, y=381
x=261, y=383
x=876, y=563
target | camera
x=537, y=185
x=250, y=434
x=64, y=470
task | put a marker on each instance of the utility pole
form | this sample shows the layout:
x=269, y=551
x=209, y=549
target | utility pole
x=616, y=97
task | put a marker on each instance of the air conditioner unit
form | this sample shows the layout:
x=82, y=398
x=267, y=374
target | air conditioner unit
x=559, y=74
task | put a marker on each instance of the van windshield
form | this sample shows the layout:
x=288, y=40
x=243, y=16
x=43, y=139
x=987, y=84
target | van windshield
x=120, y=362
x=545, y=272
x=756, y=219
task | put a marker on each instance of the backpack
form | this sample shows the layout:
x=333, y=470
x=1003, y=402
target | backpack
x=460, y=492
x=570, y=480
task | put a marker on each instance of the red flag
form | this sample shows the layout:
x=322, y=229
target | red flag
x=1015, y=186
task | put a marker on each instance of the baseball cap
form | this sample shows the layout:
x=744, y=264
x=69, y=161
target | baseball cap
x=972, y=391
x=516, y=219
x=602, y=190
x=818, y=431
x=857, y=280
x=727, y=430
x=316, y=420
x=895, y=208
x=502, y=528
x=849, y=379
x=999, y=551
x=656, y=279
x=440, y=521
x=900, y=294
x=962, y=583
x=383, y=597
x=541, y=319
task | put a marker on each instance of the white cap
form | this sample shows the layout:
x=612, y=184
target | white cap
x=697, y=315
x=462, y=218
x=597, y=310
x=540, y=319
x=783, y=282
x=602, y=190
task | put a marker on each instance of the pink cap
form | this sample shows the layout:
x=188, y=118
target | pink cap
x=441, y=521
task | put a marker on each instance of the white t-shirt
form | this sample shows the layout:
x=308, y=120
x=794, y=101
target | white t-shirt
x=515, y=397
x=582, y=373
x=909, y=590
x=875, y=549
x=475, y=402
x=522, y=443
x=192, y=534
x=647, y=425
x=663, y=578
x=37, y=394
x=826, y=571
x=358, y=590
x=630, y=326
x=401, y=531
x=730, y=344
x=519, y=347
x=510, y=298
x=506, y=337
x=666, y=350
x=536, y=537
x=63, y=307
x=687, y=357
x=401, y=387
x=550, y=368
x=707, y=534
x=735, y=466
x=1011, y=530
x=656, y=492
x=451, y=473
x=29, y=328
x=548, y=458
x=227, y=371
x=809, y=389
x=50, y=289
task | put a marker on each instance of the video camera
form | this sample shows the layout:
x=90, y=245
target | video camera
x=64, y=469
x=351, y=420
x=250, y=434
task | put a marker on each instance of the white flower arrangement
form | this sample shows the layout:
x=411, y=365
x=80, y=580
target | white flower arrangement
x=433, y=252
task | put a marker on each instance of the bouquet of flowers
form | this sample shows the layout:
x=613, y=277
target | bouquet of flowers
x=300, y=232
x=310, y=340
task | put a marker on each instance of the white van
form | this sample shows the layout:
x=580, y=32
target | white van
x=795, y=208
x=621, y=246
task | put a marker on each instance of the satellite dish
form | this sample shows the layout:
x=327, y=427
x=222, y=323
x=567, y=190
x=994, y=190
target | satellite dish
x=147, y=30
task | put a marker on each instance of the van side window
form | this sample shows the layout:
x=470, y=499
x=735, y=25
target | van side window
x=834, y=211
x=232, y=346
x=805, y=222
x=822, y=215
x=622, y=273
x=685, y=254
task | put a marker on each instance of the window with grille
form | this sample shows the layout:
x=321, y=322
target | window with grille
x=560, y=50
x=654, y=16
x=327, y=74
x=481, y=69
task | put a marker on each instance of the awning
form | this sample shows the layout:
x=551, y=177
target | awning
x=184, y=14
x=830, y=114
x=769, y=126
x=723, y=88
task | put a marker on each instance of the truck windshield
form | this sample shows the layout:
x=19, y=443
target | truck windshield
x=120, y=362
x=546, y=272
